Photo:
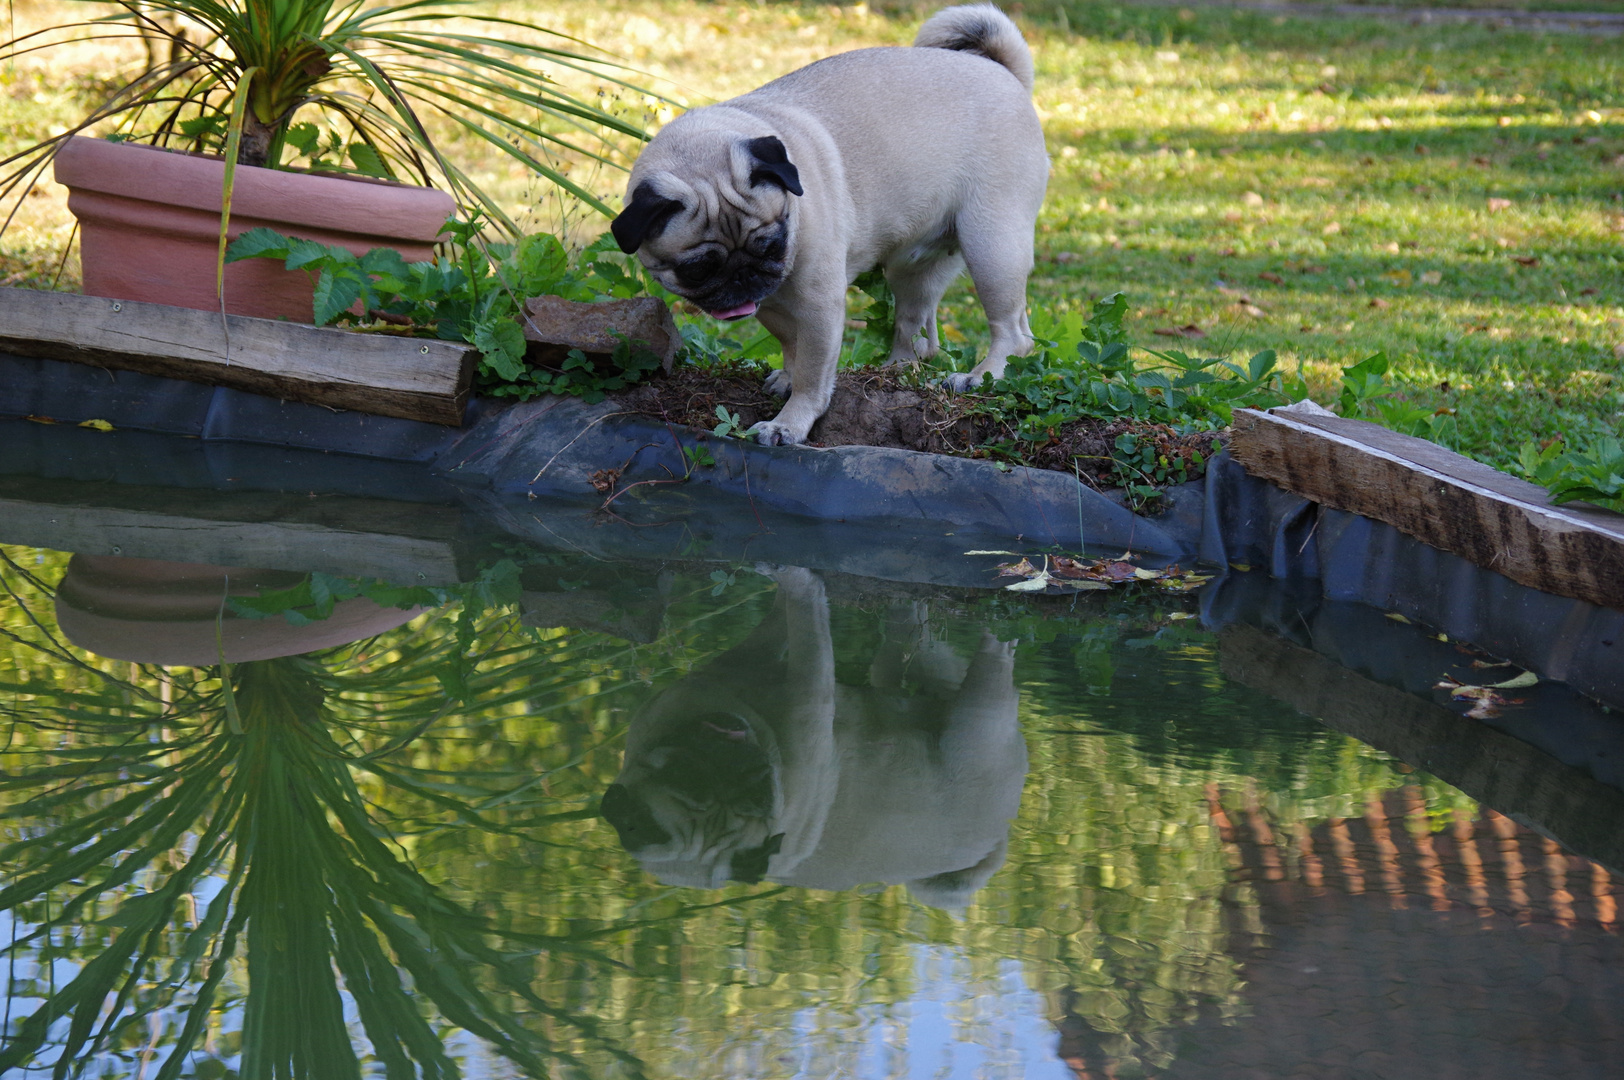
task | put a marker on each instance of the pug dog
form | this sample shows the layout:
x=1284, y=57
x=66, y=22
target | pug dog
x=921, y=160
x=761, y=765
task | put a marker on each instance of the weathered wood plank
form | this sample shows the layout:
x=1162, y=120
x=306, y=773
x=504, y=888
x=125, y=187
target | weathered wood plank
x=387, y=376
x=402, y=543
x=1439, y=497
x=1498, y=769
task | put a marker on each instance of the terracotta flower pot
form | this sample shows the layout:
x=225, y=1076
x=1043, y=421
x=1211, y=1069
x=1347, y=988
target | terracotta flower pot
x=152, y=612
x=149, y=224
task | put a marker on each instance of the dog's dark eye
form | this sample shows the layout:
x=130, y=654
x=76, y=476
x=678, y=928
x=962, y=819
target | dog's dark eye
x=700, y=270
x=769, y=246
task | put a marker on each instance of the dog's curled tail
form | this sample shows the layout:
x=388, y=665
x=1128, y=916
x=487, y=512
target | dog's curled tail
x=980, y=29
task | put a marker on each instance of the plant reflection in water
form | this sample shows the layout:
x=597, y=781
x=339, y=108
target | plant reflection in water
x=398, y=866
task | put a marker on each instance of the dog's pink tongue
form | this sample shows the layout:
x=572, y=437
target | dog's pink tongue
x=735, y=313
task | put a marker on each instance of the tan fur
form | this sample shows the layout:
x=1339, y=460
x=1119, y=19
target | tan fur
x=922, y=160
x=869, y=784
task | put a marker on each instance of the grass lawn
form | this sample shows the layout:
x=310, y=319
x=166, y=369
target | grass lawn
x=1328, y=188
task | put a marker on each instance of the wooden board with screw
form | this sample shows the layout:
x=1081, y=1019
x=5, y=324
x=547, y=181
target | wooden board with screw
x=372, y=373
x=1439, y=497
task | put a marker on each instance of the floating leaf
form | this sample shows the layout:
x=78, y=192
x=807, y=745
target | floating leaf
x=1032, y=584
x=992, y=553
x=1527, y=678
x=1024, y=568
x=99, y=425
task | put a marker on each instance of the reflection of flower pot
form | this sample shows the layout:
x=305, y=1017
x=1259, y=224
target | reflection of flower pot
x=169, y=613
x=149, y=224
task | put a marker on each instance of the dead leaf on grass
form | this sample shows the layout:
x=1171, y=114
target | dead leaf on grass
x=1272, y=277
x=1525, y=260
x=1432, y=277
x=1497, y=205
x=1378, y=302
x=1188, y=330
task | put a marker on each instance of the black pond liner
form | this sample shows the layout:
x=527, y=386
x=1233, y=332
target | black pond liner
x=1321, y=579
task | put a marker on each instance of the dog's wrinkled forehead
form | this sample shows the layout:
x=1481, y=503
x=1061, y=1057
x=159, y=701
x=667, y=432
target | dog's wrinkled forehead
x=714, y=189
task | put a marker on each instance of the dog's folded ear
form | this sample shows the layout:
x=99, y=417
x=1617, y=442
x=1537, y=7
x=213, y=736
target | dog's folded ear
x=646, y=214
x=750, y=865
x=770, y=162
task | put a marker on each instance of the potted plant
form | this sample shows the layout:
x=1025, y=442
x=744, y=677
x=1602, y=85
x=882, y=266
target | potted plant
x=302, y=116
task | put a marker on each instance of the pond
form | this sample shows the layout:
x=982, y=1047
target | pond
x=585, y=818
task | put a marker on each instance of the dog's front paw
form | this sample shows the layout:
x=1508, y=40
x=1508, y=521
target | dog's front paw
x=778, y=382
x=772, y=433
x=962, y=382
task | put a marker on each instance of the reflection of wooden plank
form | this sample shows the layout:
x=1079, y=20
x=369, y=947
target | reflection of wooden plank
x=1501, y=771
x=1439, y=497
x=389, y=376
x=252, y=538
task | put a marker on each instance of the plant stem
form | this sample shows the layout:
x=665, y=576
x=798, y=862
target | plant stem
x=257, y=139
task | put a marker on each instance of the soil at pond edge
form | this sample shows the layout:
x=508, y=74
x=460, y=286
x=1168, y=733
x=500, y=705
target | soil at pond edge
x=879, y=407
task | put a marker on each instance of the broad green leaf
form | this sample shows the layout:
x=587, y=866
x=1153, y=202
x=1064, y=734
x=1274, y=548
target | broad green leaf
x=258, y=243
x=366, y=159
x=502, y=344
x=335, y=292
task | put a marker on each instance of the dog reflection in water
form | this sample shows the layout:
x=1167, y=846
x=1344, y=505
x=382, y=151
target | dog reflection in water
x=761, y=765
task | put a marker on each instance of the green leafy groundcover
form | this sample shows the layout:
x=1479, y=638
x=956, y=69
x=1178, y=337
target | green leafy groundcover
x=471, y=293
x=1594, y=474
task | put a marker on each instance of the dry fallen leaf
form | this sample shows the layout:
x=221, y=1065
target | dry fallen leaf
x=1378, y=302
x=1031, y=584
x=1332, y=229
x=992, y=553
x=1188, y=330
x=1024, y=568
x=1432, y=277
x=1497, y=205
x=1526, y=260
x=1272, y=277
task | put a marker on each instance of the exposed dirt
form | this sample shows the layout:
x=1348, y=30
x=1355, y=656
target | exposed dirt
x=878, y=407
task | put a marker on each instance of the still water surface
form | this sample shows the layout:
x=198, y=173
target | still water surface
x=598, y=820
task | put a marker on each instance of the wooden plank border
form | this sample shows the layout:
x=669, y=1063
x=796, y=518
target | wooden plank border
x=1439, y=497
x=411, y=378
x=1489, y=765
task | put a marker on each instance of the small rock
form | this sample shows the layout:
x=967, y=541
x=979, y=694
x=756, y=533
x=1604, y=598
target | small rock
x=553, y=326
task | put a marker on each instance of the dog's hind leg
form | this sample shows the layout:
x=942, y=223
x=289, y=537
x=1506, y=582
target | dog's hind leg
x=998, y=250
x=982, y=724
x=919, y=286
